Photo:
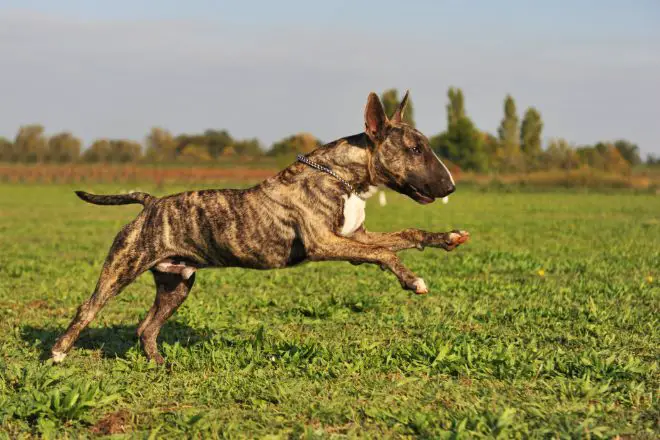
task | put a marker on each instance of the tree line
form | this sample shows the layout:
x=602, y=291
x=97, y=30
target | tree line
x=517, y=146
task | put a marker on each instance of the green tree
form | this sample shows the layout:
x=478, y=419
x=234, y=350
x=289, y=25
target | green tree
x=652, y=159
x=491, y=147
x=99, y=151
x=297, y=143
x=183, y=140
x=216, y=141
x=560, y=154
x=614, y=161
x=509, y=134
x=63, y=147
x=530, y=136
x=125, y=151
x=456, y=106
x=161, y=145
x=462, y=144
x=390, y=100
x=6, y=150
x=592, y=156
x=629, y=151
x=30, y=144
x=604, y=156
x=248, y=147
x=195, y=153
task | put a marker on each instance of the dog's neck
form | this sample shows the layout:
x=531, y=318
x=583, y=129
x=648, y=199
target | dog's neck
x=350, y=158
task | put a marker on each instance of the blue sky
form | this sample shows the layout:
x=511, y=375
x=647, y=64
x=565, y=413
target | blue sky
x=268, y=69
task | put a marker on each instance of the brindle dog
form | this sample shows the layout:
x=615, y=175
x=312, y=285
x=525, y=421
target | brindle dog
x=301, y=214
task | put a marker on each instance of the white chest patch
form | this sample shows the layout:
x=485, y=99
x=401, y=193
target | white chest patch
x=354, y=212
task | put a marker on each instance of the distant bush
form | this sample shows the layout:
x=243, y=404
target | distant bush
x=292, y=145
x=581, y=177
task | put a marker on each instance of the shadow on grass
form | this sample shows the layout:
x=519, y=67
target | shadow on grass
x=114, y=341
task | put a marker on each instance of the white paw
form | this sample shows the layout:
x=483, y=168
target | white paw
x=420, y=287
x=58, y=356
x=460, y=237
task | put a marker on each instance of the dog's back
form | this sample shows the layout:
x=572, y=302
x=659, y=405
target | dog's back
x=222, y=228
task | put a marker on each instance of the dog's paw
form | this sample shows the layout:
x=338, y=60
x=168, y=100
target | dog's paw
x=457, y=238
x=58, y=357
x=420, y=287
x=157, y=358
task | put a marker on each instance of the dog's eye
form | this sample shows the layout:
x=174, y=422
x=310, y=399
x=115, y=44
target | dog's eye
x=416, y=149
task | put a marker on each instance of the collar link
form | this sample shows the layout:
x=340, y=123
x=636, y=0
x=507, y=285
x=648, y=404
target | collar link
x=302, y=158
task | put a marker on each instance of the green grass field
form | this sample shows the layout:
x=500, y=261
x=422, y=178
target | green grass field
x=545, y=325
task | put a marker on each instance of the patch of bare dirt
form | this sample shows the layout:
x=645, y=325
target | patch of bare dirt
x=38, y=304
x=114, y=423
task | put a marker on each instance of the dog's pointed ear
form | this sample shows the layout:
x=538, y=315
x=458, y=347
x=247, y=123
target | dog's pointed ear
x=375, y=119
x=398, y=114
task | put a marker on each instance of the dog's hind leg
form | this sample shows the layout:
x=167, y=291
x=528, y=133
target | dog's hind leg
x=171, y=291
x=166, y=266
x=125, y=262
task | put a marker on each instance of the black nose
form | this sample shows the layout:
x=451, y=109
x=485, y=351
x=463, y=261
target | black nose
x=451, y=188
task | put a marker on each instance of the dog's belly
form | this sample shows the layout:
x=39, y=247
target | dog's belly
x=267, y=255
x=254, y=246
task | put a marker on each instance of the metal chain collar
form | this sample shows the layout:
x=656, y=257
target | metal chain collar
x=303, y=159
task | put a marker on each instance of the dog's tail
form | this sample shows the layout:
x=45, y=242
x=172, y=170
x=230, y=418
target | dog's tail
x=117, y=199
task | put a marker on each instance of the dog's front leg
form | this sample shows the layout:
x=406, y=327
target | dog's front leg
x=346, y=249
x=412, y=238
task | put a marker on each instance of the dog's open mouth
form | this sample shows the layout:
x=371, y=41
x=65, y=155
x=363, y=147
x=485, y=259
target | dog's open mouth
x=420, y=197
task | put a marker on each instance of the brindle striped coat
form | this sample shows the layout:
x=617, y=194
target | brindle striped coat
x=298, y=215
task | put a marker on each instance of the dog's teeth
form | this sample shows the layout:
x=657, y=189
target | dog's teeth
x=58, y=356
x=445, y=200
x=188, y=272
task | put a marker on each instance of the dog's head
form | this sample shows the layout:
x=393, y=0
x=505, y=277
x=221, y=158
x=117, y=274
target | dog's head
x=402, y=159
